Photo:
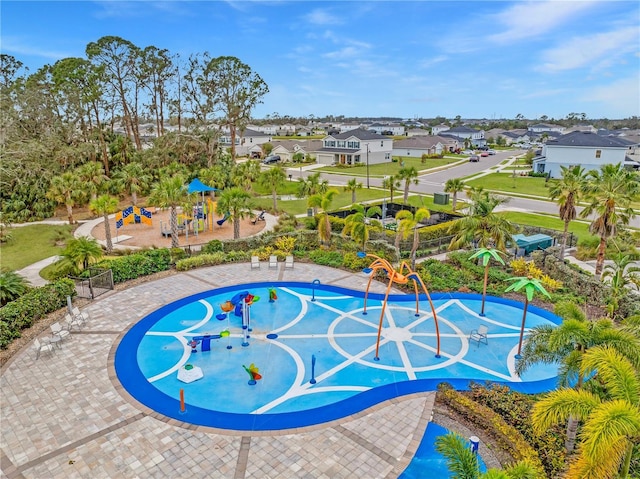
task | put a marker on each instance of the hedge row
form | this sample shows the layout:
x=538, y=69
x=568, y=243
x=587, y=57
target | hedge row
x=142, y=263
x=21, y=313
x=506, y=436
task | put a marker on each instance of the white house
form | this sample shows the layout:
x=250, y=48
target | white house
x=417, y=132
x=544, y=127
x=348, y=127
x=287, y=148
x=394, y=129
x=476, y=137
x=436, y=130
x=354, y=148
x=416, y=146
x=586, y=149
x=245, y=140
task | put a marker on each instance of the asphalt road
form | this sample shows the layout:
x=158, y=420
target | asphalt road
x=434, y=183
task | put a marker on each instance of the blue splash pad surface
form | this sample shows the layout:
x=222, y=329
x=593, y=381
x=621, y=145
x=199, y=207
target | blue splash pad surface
x=335, y=330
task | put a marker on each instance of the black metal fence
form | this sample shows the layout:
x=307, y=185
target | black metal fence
x=100, y=281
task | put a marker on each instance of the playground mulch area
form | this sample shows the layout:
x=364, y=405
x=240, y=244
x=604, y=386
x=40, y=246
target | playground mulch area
x=142, y=235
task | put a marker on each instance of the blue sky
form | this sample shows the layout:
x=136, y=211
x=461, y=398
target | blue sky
x=476, y=59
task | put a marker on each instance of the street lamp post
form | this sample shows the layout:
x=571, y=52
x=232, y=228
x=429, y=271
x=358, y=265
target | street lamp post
x=367, y=165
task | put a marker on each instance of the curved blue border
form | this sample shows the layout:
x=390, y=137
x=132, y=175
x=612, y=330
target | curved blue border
x=136, y=384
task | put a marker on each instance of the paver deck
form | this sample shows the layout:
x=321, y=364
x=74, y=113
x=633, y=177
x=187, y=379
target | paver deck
x=66, y=416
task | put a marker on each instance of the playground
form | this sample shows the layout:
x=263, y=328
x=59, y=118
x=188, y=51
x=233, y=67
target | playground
x=268, y=356
x=143, y=234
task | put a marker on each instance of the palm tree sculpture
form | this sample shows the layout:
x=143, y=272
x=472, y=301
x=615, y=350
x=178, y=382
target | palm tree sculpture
x=236, y=202
x=611, y=419
x=566, y=345
x=170, y=193
x=455, y=186
x=272, y=179
x=323, y=200
x=487, y=254
x=408, y=222
x=408, y=174
x=353, y=185
x=567, y=193
x=105, y=205
x=357, y=224
x=531, y=286
x=610, y=193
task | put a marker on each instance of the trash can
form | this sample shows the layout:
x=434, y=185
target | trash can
x=309, y=211
x=441, y=198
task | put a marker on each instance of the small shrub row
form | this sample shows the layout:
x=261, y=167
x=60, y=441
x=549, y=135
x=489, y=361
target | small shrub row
x=21, y=313
x=506, y=436
x=138, y=264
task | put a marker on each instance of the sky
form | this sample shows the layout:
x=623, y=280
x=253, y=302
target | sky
x=407, y=59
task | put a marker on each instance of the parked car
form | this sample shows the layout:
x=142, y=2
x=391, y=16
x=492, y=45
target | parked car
x=492, y=152
x=474, y=158
x=484, y=153
x=271, y=159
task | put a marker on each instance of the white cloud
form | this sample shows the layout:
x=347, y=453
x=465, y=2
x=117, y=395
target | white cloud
x=18, y=46
x=323, y=17
x=545, y=93
x=429, y=62
x=343, y=53
x=531, y=19
x=619, y=98
x=589, y=50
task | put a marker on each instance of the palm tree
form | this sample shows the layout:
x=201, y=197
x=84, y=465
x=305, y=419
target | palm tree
x=455, y=186
x=312, y=185
x=105, y=205
x=531, y=286
x=463, y=463
x=407, y=222
x=356, y=225
x=609, y=193
x=566, y=345
x=611, y=420
x=323, y=200
x=353, y=185
x=236, y=202
x=482, y=227
x=133, y=179
x=81, y=252
x=12, y=286
x=567, y=192
x=92, y=176
x=391, y=183
x=486, y=254
x=408, y=174
x=170, y=193
x=623, y=276
x=244, y=175
x=272, y=179
x=66, y=190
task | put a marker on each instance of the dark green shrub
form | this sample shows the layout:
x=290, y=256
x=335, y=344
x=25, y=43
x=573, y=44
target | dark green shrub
x=209, y=259
x=138, y=264
x=21, y=313
x=177, y=254
x=326, y=258
x=310, y=222
x=213, y=246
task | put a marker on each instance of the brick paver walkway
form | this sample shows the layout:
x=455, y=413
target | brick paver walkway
x=65, y=415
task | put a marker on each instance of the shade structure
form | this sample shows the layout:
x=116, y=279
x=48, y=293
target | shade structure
x=197, y=186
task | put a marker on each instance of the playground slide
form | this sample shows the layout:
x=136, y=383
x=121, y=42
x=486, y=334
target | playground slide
x=226, y=217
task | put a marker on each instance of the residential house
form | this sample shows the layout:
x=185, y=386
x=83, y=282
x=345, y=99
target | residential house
x=287, y=148
x=416, y=146
x=475, y=137
x=516, y=136
x=436, y=130
x=245, y=140
x=586, y=149
x=544, y=127
x=417, y=132
x=393, y=129
x=348, y=127
x=355, y=147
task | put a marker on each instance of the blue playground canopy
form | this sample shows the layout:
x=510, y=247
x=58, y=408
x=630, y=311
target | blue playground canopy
x=197, y=186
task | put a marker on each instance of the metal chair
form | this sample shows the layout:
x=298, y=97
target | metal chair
x=480, y=335
x=39, y=347
x=273, y=261
x=59, y=332
x=255, y=262
x=288, y=262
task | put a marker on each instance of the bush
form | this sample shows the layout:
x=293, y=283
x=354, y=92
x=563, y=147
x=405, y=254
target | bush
x=213, y=246
x=21, y=313
x=326, y=258
x=208, y=259
x=138, y=264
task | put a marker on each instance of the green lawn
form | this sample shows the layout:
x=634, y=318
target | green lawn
x=545, y=221
x=384, y=169
x=30, y=244
x=505, y=182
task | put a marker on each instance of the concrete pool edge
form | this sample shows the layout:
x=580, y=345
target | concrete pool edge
x=138, y=389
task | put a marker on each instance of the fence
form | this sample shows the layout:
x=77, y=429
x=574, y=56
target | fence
x=100, y=281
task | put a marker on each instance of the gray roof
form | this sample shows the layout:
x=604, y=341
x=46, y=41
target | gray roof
x=420, y=142
x=360, y=134
x=462, y=129
x=585, y=138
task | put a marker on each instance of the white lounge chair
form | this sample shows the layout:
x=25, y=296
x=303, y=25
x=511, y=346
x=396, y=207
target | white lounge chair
x=58, y=331
x=479, y=335
x=288, y=262
x=39, y=347
x=273, y=261
x=80, y=316
x=71, y=322
x=255, y=262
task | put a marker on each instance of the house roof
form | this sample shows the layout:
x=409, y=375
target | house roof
x=585, y=138
x=419, y=142
x=338, y=150
x=360, y=134
x=462, y=129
